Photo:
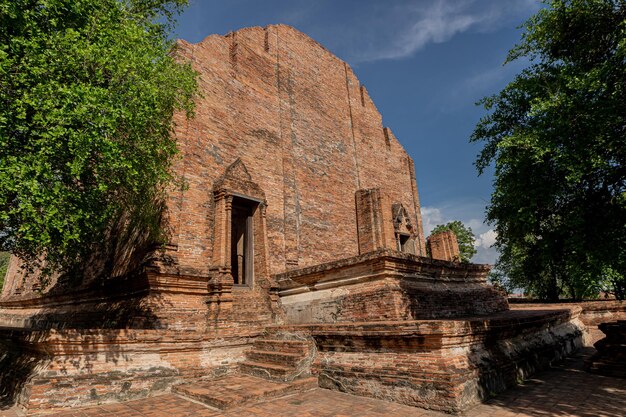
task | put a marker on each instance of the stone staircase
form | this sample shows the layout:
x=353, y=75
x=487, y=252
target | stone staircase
x=239, y=390
x=276, y=366
x=279, y=359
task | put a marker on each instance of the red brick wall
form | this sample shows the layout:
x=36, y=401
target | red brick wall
x=374, y=221
x=446, y=365
x=387, y=285
x=444, y=246
x=307, y=132
x=593, y=313
x=46, y=370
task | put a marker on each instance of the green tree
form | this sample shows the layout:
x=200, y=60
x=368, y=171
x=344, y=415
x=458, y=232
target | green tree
x=556, y=135
x=464, y=236
x=88, y=89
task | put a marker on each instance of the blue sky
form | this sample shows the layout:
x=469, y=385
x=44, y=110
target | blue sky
x=425, y=63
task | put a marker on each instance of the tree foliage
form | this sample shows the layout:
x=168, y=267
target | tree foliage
x=464, y=236
x=557, y=134
x=88, y=89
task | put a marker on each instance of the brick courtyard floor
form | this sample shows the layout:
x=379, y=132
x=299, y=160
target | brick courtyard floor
x=564, y=390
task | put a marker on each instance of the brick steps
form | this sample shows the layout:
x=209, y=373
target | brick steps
x=237, y=390
x=278, y=359
x=266, y=370
x=274, y=367
x=292, y=346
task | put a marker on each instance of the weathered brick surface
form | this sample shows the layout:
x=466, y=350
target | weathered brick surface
x=280, y=358
x=593, y=313
x=280, y=120
x=307, y=132
x=387, y=285
x=444, y=365
x=237, y=390
x=331, y=198
x=374, y=221
x=563, y=390
x=444, y=246
x=92, y=348
x=309, y=135
x=71, y=367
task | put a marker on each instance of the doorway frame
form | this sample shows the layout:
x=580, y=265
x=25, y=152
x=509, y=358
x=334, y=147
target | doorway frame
x=236, y=182
x=249, y=238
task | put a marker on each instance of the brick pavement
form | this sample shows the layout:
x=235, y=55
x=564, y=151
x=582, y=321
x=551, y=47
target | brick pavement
x=565, y=390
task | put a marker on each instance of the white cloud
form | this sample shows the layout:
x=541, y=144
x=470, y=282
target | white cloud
x=485, y=252
x=486, y=240
x=417, y=24
x=485, y=256
x=431, y=217
x=435, y=24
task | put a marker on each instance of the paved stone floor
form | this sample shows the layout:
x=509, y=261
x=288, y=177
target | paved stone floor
x=564, y=390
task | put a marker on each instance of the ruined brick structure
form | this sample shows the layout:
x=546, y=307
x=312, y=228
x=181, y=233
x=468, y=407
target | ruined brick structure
x=296, y=253
x=444, y=245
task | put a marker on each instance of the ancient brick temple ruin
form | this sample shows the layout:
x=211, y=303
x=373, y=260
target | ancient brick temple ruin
x=296, y=258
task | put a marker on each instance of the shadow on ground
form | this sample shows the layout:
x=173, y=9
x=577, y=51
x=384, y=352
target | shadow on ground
x=566, y=389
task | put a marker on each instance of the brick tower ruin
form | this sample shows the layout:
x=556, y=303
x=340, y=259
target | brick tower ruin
x=444, y=245
x=296, y=253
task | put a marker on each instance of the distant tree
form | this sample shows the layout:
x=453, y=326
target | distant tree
x=556, y=135
x=87, y=93
x=499, y=280
x=464, y=236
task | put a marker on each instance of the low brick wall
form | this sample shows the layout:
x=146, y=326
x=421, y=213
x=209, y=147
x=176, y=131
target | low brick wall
x=592, y=313
x=447, y=365
x=417, y=331
x=387, y=285
x=47, y=370
x=92, y=347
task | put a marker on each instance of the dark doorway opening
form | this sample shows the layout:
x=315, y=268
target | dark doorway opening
x=406, y=244
x=242, y=240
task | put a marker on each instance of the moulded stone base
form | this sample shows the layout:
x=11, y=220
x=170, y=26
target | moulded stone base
x=360, y=312
x=387, y=285
x=446, y=365
x=593, y=313
x=47, y=370
x=114, y=344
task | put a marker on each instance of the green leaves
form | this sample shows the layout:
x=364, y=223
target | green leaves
x=556, y=135
x=88, y=91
